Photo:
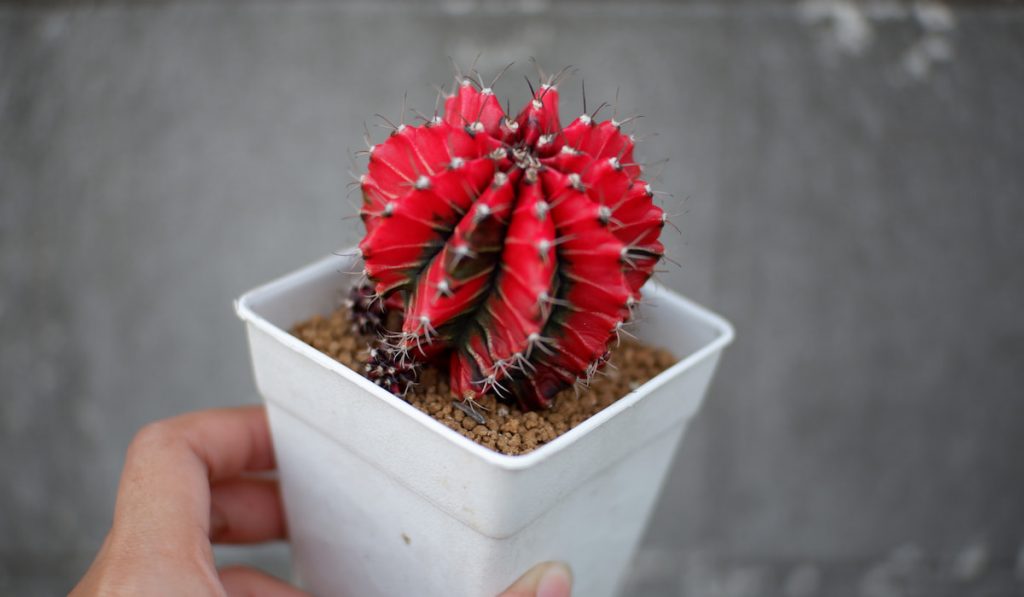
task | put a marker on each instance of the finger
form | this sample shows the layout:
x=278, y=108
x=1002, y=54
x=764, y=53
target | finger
x=228, y=441
x=239, y=581
x=550, y=579
x=164, y=496
x=246, y=511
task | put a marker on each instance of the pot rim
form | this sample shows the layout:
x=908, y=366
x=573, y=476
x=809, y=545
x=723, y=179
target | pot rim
x=247, y=312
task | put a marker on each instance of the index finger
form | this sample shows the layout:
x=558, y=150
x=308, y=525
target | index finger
x=164, y=495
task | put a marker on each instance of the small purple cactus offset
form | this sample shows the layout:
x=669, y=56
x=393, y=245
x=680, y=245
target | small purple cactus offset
x=366, y=311
x=387, y=369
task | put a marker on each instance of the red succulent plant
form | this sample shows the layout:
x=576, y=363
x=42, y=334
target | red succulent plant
x=516, y=247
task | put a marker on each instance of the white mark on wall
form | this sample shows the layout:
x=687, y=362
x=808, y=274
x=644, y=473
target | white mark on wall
x=802, y=581
x=895, y=575
x=906, y=559
x=522, y=7
x=848, y=28
x=934, y=17
x=935, y=21
x=703, y=576
x=970, y=561
x=918, y=60
x=885, y=10
x=532, y=6
x=878, y=583
x=52, y=28
x=746, y=581
x=457, y=8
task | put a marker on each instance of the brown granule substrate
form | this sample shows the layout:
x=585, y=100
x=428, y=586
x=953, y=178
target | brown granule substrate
x=506, y=429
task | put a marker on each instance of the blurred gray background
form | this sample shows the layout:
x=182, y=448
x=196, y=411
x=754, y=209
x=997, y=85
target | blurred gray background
x=849, y=179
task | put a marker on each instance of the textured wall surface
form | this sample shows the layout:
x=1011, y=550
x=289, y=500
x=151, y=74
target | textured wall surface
x=851, y=194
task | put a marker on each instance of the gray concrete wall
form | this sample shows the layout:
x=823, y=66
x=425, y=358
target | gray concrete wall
x=851, y=194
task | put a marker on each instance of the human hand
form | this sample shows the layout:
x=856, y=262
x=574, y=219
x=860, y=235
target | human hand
x=188, y=482
x=550, y=579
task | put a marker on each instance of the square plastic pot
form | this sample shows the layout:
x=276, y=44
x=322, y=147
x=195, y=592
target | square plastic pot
x=381, y=499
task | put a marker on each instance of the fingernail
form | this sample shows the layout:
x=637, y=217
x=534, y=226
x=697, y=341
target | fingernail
x=556, y=581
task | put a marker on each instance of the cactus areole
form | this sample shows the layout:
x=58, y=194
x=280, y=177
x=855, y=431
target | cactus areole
x=515, y=247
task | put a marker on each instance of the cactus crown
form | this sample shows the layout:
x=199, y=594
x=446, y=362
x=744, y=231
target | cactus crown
x=516, y=247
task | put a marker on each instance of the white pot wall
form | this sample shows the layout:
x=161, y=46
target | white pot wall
x=362, y=470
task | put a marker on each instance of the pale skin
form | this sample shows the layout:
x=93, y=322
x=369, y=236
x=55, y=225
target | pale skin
x=192, y=481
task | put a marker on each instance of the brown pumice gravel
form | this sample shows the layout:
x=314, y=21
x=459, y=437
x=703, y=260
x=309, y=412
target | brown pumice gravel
x=506, y=429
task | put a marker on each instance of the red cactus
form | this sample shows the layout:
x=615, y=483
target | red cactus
x=517, y=246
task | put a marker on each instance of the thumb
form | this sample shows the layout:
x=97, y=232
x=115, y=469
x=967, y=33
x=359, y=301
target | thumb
x=240, y=581
x=550, y=579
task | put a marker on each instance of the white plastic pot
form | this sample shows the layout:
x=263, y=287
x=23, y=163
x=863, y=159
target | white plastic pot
x=381, y=499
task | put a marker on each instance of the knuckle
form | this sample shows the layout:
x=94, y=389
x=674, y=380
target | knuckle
x=157, y=435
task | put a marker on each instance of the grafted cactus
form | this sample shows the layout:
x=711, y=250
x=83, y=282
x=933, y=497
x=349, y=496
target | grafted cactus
x=517, y=247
